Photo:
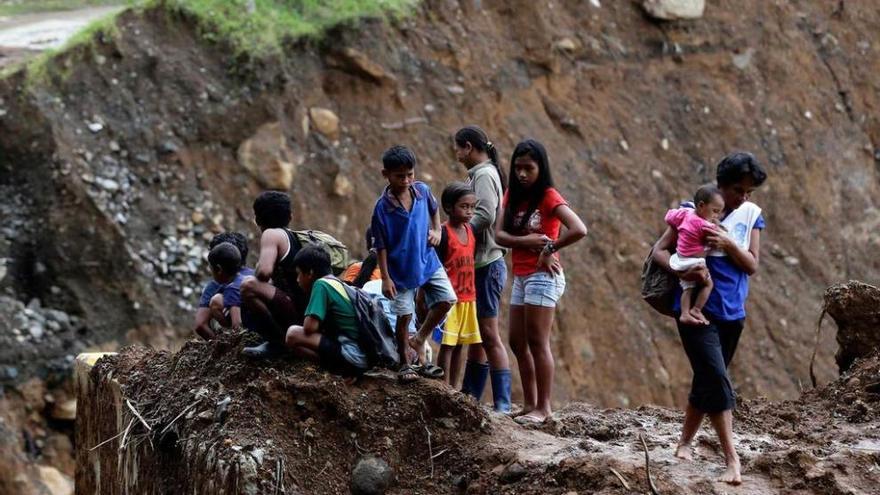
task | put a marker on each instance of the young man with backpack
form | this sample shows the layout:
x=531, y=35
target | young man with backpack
x=344, y=330
x=272, y=296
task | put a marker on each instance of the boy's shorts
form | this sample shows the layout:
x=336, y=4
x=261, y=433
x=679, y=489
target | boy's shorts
x=437, y=290
x=538, y=289
x=461, y=326
x=331, y=358
x=683, y=263
x=489, y=281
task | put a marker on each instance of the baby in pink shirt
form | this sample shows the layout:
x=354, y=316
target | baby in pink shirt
x=692, y=226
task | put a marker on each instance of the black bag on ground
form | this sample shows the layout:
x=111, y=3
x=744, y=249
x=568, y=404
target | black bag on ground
x=375, y=335
x=659, y=286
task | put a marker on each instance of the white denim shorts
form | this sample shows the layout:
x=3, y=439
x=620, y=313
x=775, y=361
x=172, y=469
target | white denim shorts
x=538, y=289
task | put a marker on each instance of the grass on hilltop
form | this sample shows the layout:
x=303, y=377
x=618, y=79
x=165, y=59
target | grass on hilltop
x=256, y=28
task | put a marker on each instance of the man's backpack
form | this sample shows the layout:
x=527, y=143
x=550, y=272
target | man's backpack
x=659, y=286
x=375, y=335
x=339, y=258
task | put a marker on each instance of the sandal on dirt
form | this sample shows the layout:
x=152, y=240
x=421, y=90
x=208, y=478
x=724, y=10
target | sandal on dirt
x=407, y=374
x=430, y=371
x=528, y=419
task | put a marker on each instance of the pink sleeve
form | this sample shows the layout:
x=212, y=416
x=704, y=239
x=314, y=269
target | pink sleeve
x=675, y=217
x=706, y=228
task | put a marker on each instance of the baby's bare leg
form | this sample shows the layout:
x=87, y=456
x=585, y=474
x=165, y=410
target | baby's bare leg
x=702, y=297
x=687, y=317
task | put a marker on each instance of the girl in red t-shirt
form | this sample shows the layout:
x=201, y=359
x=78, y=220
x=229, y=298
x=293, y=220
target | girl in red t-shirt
x=530, y=223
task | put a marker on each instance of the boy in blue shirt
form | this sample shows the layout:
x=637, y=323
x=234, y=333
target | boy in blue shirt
x=405, y=227
x=221, y=297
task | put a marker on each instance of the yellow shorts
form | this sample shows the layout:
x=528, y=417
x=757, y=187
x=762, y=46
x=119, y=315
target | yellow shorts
x=461, y=325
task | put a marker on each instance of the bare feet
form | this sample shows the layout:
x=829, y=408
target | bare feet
x=685, y=452
x=688, y=319
x=697, y=313
x=732, y=474
x=533, y=417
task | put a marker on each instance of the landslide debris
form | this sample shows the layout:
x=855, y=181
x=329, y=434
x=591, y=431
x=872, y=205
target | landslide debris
x=260, y=425
x=855, y=307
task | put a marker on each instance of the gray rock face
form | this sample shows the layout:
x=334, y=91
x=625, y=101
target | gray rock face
x=371, y=476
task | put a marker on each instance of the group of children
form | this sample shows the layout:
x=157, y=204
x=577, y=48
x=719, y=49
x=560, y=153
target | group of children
x=445, y=277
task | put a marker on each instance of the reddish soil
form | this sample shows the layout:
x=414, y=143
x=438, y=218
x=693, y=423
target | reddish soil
x=104, y=164
x=828, y=441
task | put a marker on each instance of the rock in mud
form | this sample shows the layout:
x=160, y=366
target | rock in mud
x=855, y=307
x=371, y=476
x=358, y=63
x=513, y=473
x=54, y=481
x=326, y=122
x=268, y=158
x=65, y=411
x=671, y=10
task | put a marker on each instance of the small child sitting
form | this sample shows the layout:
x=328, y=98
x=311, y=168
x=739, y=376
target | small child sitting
x=692, y=226
x=457, y=250
x=221, y=298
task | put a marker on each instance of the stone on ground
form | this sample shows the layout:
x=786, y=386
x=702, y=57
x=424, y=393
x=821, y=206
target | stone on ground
x=371, y=476
x=671, y=10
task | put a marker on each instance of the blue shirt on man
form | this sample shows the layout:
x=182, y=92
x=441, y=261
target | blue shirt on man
x=404, y=235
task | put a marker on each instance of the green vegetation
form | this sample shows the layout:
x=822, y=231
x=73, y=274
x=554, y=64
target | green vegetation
x=259, y=27
x=18, y=7
x=38, y=67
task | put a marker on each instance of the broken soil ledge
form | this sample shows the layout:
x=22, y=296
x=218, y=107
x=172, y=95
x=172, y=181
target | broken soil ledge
x=205, y=420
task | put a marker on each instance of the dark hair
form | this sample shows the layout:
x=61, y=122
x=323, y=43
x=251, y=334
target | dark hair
x=705, y=194
x=313, y=259
x=737, y=166
x=453, y=193
x=368, y=266
x=480, y=141
x=517, y=194
x=226, y=257
x=272, y=210
x=397, y=157
x=236, y=239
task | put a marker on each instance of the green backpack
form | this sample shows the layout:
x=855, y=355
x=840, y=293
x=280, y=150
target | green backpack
x=339, y=257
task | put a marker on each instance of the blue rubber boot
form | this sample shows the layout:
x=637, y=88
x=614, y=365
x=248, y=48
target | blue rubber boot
x=474, y=381
x=501, y=390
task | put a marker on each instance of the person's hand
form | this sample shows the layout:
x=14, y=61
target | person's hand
x=698, y=274
x=434, y=237
x=388, y=288
x=534, y=241
x=549, y=262
x=716, y=239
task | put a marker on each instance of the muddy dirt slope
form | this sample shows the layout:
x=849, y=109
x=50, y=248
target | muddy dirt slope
x=205, y=420
x=125, y=154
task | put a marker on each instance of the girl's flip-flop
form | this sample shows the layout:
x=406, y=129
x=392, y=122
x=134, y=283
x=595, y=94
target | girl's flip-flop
x=430, y=371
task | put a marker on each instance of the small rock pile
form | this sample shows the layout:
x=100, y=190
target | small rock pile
x=32, y=325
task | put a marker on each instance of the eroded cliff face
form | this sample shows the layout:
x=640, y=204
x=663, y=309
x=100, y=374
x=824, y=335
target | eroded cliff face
x=142, y=144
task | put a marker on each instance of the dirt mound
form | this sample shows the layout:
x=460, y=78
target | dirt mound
x=855, y=307
x=218, y=421
x=293, y=412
